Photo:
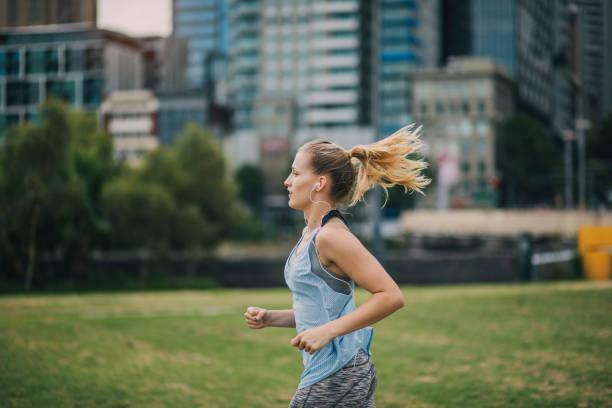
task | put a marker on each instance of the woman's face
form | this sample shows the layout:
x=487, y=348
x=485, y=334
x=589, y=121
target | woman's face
x=300, y=182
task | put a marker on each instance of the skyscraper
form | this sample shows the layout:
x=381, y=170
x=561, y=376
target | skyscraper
x=205, y=26
x=409, y=40
x=301, y=70
x=516, y=33
x=594, y=59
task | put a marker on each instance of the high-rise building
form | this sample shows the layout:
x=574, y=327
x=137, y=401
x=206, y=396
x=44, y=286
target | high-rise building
x=516, y=33
x=21, y=13
x=300, y=69
x=594, y=59
x=205, y=26
x=409, y=40
x=564, y=71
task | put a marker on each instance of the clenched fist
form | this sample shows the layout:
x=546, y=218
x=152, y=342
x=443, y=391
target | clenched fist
x=256, y=317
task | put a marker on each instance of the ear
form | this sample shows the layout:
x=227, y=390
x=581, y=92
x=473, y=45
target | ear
x=322, y=181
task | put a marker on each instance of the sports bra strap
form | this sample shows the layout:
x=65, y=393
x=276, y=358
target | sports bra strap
x=331, y=214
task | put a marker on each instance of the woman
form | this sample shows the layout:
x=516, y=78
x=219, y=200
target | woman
x=323, y=267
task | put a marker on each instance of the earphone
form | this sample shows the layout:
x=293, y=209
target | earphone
x=317, y=185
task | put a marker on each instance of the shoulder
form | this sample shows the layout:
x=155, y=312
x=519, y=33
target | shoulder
x=335, y=238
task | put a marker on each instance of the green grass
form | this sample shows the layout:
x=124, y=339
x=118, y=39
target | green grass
x=534, y=345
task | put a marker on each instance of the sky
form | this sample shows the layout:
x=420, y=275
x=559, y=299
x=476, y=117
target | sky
x=136, y=17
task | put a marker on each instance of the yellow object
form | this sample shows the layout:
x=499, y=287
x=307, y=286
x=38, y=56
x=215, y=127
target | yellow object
x=595, y=247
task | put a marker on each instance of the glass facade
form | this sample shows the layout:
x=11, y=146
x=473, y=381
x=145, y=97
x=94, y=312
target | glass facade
x=494, y=31
x=173, y=121
x=62, y=89
x=400, y=54
x=205, y=25
x=244, y=23
x=22, y=93
x=9, y=62
x=42, y=61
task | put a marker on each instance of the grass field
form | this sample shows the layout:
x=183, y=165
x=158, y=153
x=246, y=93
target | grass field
x=534, y=345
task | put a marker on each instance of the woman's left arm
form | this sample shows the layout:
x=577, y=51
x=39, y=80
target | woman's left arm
x=341, y=247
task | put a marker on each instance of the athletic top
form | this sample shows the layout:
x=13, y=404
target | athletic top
x=320, y=296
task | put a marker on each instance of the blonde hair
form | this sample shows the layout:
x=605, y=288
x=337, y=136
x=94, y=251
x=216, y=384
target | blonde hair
x=384, y=162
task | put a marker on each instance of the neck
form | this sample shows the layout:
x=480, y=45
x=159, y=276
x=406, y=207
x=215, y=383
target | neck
x=314, y=214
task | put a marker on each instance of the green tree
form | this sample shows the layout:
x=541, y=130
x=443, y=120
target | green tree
x=529, y=162
x=181, y=197
x=36, y=171
x=251, y=184
x=51, y=175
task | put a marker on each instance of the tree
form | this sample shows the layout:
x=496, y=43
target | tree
x=35, y=168
x=180, y=198
x=251, y=186
x=529, y=162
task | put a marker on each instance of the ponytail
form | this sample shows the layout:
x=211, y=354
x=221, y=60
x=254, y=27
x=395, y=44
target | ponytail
x=384, y=162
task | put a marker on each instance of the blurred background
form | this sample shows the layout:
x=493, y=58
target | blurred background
x=144, y=144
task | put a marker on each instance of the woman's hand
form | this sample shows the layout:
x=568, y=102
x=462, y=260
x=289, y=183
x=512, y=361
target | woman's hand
x=256, y=317
x=312, y=339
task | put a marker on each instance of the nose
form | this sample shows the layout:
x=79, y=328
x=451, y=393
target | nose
x=286, y=182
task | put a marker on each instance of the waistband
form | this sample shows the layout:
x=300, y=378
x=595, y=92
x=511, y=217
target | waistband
x=360, y=358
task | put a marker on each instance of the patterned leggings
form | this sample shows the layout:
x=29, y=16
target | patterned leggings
x=352, y=386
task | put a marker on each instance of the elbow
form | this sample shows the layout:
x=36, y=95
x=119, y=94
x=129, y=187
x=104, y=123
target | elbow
x=401, y=301
x=398, y=300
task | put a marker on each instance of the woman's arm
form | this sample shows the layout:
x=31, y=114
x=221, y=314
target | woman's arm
x=258, y=318
x=339, y=246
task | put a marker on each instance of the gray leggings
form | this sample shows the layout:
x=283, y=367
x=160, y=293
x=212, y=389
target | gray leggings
x=351, y=386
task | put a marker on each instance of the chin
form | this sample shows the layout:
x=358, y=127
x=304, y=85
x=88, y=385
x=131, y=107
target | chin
x=293, y=204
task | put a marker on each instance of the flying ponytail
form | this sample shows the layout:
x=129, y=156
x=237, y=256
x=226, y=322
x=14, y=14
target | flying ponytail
x=384, y=162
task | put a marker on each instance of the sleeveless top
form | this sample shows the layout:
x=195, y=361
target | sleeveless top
x=320, y=296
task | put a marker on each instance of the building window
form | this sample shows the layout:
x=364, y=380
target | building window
x=423, y=109
x=482, y=107
x=35, y=62
x=465, y=106
x=64, y=90
x=21, y=93
x=9, y=63
x=92, y=91
x=75, y=60
x=465, y=167
x=93, y=58
x=439, y=108
x=42, y=61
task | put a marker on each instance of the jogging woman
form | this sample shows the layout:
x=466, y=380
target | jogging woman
x=334, y=336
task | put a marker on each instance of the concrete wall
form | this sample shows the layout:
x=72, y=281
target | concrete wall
x=501, y=222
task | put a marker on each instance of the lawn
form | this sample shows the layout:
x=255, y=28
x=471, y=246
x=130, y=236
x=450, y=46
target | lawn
x=518, y=345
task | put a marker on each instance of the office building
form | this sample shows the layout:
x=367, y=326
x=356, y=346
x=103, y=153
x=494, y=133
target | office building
x=594, y=56
x=460, y=107
x=205, y=26
x=177, y=109
x=518, y=34
x=76, y=65
x=409, y=40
